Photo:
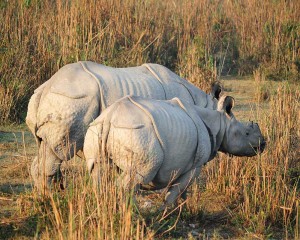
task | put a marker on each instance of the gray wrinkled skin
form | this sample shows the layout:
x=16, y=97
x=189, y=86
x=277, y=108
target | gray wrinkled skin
x=162, y=144
x=61, y=109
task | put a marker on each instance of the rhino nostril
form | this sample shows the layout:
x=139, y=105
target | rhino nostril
x=262, y=145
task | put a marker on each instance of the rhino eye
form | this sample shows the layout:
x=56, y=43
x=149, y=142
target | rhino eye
x=247, y=133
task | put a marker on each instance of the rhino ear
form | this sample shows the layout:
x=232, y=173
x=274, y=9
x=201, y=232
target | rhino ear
x=216, y=89
x=226, y=103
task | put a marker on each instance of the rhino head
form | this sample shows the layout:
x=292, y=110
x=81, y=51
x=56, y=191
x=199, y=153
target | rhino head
x=240, y=139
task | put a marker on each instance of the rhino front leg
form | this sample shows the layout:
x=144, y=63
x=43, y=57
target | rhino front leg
x=179, y=187
x=95, y=171
x=45, y=168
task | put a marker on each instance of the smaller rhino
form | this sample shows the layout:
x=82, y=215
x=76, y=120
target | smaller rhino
x=158, y=144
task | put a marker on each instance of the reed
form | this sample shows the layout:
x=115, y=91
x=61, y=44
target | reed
x=83, y=211
x=260, y=194
x=198, y=39
x=265, y=189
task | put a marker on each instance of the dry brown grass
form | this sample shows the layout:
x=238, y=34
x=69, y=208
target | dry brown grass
x=255, y=198
x=198, y=39
x=265, y=190
x=241, y=198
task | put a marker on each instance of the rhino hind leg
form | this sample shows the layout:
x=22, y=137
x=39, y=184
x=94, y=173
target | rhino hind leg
x=45, y=168
x=132, y=173
x=179, y=187
x=124, y=180
x=128, y=179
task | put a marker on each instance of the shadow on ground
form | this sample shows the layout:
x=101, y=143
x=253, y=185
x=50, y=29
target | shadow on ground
x=14, y=189
x=19, y=228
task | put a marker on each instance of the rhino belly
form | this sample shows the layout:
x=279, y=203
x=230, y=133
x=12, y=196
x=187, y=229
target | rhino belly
x=180, y=143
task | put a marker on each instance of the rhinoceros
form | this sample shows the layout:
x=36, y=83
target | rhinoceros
x=160, y=144
x=61, y=109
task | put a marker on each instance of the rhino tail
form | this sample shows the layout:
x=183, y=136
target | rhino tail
x=104, y=123
x=33, y=105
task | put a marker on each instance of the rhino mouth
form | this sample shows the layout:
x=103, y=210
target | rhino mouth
x=260, y=148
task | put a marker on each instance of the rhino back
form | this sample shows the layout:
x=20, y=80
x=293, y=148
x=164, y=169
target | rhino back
x=178, y=87
x=149, y=80
x=119, y=82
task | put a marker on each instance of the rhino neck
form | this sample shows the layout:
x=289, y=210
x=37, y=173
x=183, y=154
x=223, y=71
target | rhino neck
x=224, y=143
x=215, y=126
x=200, y=98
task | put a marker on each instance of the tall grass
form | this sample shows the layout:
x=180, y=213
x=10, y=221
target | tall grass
x=105, y=211
x=265, y=190
x=261, y=194
x=86, y=212
x=197, y=39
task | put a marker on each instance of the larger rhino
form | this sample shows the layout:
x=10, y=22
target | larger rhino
x=61, y=109
x=165, y=143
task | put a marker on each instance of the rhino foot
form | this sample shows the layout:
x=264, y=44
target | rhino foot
x=179, y=188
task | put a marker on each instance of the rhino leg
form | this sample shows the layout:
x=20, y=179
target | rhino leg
x=179, y=187
x=125, y=180
x=95, y=173
x=45, y=168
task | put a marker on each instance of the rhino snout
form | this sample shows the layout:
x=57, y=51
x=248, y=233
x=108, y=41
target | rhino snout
x=262, y=146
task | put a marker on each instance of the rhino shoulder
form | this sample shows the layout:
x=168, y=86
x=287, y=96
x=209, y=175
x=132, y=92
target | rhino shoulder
x=204, y=144
x=177, y=86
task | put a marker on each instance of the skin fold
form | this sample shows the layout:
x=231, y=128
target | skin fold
x=160, y=144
